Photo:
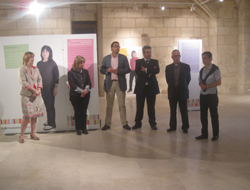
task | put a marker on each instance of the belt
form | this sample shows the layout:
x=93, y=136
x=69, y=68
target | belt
x=114, y=80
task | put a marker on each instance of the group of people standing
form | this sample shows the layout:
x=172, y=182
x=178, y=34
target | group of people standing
x=44, y=80
x=41, y=82
x=115, y=66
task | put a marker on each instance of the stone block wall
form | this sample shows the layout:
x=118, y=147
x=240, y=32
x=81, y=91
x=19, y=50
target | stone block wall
x=243, y=63
x=223, y=43
x=152, y=26
x=15, y=22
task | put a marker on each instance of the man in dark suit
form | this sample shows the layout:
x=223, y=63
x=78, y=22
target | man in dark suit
x=115, y=67
x=146, y=87
x=178, y=78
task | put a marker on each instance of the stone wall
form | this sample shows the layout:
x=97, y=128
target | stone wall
x=225, y=33
x=243, y=63
x=14, y=22
x=152, y=26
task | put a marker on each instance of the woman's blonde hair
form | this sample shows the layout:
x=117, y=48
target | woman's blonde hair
x=78, y=59
x=27, y=56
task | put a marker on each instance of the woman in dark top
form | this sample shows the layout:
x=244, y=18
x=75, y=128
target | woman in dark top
x=79, y=93
x=50, y=75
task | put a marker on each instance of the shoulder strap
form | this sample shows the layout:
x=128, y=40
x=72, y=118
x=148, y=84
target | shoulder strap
x=212, y=70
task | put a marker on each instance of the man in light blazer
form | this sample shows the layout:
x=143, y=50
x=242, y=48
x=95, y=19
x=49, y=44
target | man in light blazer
x=178, y=78
x=115, y=67
x=146, y=87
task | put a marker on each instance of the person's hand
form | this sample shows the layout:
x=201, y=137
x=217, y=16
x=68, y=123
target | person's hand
x=34, y=95
x=84, y=93
x=203, y=86
x=110, y=70
x=55, y=91
x=143, y=68
x=37, y=92
x=115, y=71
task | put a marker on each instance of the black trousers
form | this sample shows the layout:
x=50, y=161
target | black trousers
x=132, y=75
x=210, y=101
x=49, y=101
x=80, y=106
x=140, y=101
x=183, y=108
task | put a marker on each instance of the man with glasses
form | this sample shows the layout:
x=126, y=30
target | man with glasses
x=178, y=78
x=115, y=66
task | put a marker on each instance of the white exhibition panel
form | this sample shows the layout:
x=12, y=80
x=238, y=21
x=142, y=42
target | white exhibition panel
x=191, y=51
x=10, y=105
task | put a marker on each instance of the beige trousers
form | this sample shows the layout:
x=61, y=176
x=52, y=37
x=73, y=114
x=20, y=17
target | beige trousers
x=110, y=96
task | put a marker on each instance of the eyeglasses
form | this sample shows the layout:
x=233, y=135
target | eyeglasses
x=116, y=46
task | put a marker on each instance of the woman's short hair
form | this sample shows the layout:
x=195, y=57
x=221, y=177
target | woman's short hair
x=27, y=56
x=78, y=59
x=48, y=48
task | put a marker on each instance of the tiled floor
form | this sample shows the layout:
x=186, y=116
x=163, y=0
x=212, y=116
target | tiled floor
x=142, y=159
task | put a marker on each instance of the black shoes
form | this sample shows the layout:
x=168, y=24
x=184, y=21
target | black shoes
x=201, y=137
x=171, y=129
x=127, y=127
x=185, y=130
x=79, y=132
x=153, y=127
x=105, y=127
x=136, y=127
x=85, y=131
x=129, y=91
x=215, y=138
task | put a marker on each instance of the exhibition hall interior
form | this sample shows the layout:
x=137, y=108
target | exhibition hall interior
x=148, y=156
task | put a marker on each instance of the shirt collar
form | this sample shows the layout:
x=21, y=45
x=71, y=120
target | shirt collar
x=114, y=56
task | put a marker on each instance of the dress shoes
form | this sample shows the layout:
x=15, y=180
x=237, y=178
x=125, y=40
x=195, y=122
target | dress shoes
x=105, y=127
x=34, y=137
x=136, y=127
x=201, y=137
x=215, y=138
x=84, y=131
x=127, y=127
x=171, y=129
x=129, y=91
x=153, y=127
x=79, y=132
x=185, y=130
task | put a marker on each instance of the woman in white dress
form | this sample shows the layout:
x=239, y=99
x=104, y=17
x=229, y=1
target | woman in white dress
x=31, y=82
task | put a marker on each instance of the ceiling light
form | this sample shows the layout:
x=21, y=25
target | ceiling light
x=163, y=8
x=135, y=7
x=192, y=8
x=36, y=8
x=221, y=0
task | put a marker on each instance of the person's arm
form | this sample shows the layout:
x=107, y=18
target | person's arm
x=24, y=82
x=188, y=75
x=55, y=73
x=166, y=74
x=138, y=69
x=124, y=70
x=72, y=83
x=104, y=69
x=155, y=70
x=217, y=83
